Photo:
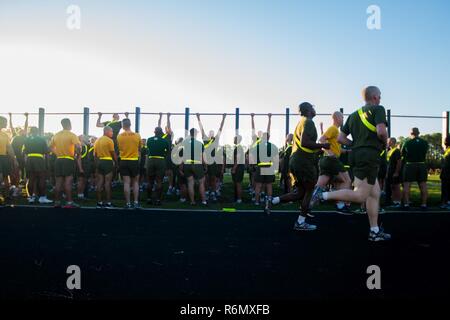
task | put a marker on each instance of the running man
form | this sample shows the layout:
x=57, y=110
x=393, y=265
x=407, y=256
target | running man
x=35, y=149
x=158, y=148
x=211, y=145
x=129, y=144
x=66, y=146
x=393, y=180
x=367, y=126
x=331, y=168
x=105, y=159
x=414, y=152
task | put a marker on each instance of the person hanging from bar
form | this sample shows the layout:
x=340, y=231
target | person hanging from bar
x=256, y=138
x=7, y=161
x=238, y=169
x=170, y=167
x=211, y=145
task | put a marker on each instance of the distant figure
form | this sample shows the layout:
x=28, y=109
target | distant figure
x=445, y=176
x=393, y=178
x=414, y=152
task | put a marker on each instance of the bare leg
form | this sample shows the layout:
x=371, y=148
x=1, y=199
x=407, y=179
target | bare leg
x=59, y=182
x=100, y=183
x=68, y=188
x=108, y=187
x=423, y=193
x=373, y=205
x=406, y=192
x=191, y=182
x=135, y=184
x=126, y=188
x=201, y=189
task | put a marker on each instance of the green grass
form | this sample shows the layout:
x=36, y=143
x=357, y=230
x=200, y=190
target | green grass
x=227, y=197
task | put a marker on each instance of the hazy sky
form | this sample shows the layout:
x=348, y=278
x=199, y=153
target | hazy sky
x=216, y=55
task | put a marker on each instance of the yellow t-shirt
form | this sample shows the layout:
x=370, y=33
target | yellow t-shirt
x=129, y=143
x=103, y=147
x=332, y=134
x=4, y=143
x=63, y=143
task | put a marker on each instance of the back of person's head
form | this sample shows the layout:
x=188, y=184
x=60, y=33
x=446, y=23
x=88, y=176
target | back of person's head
x=158, y=131
x=447, y=141
x=3, y=122
x=66, y=124
x=237, y=139
x=415, y=132
x=265, y=136
x=372, y=95
x=126, y=123
x=34, y=131
x=116, y=117
x=108, y=131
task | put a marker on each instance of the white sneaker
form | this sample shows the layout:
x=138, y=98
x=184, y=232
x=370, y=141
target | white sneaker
x=44, y=200
x=31, y=199
x=238, y=201
x=182, y=200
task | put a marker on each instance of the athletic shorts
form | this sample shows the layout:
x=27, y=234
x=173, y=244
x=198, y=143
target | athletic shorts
x=260, y=177
x=156, y=167
x=195, y=170
x=35, y=165
x=213, y=170
x=303, y=168
x=330, y=166
x=382, y=171
x=415, y=172
x=5, y=166
x=129, y=168
x=365, y=163
x=105, y=167
x=238, y=176
x=64, y=167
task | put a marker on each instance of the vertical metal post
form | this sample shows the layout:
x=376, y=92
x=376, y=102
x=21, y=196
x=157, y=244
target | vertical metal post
x=388, y=116
x=137, y=119
x=86, y=121
x=445, y=126
x=186, y=120
x=41, y=120
x=287, y=120
x=237, y=121
x=341, y=110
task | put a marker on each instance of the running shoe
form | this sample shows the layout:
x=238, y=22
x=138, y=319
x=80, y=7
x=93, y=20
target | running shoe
x=379, y=236
x=72, y=205
x=44, y=200
x=317, y=196
x=304, y=226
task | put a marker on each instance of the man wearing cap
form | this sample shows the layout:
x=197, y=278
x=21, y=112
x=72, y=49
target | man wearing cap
x=129, y=144
x=105, y=159
x=65, y=145
x=157, y=152
x=414, y=152
x=35, y=149
x=367, y=126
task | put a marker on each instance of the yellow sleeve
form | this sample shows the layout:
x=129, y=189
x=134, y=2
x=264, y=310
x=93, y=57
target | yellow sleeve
x=331, y=133
x=111, y=146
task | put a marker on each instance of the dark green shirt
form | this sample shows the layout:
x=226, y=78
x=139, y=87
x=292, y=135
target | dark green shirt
x=115, y=126
x=415, y=150
x=17, y=144
x=393, y=159
x=157, y=146
x=361, y=135
x=35, y=144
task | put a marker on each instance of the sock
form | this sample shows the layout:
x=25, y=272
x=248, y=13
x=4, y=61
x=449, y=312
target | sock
x=325, y=196
x=375, y=229
x=276, y=200
x=69, y=202
x=340, y=205
x=301, y=219
x=108, y=203
x=396, y=202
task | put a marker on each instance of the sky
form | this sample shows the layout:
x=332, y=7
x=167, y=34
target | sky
x=214, y=56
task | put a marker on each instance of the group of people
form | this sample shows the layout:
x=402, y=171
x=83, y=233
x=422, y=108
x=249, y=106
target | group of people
x=312, y=168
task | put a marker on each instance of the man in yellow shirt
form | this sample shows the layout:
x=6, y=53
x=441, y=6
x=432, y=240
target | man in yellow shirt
x=331, y=168
x=65, y=145
x=7, y=156
x=129, y=144
x=105, y=158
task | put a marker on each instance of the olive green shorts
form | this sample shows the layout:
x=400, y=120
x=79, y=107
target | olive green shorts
x=415, y=172
x=365, y=163
x=5, y=166
x=213, y=170
x=260, y=177
x=156, y=167
x=64, y=167
x=35, y=165
x=129, y=168
x=105, y=167
x=303, y=168
x=238, y=176
x=195, y=170
x=330, y=166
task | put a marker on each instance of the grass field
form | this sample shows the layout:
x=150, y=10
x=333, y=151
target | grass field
x=227, y=199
